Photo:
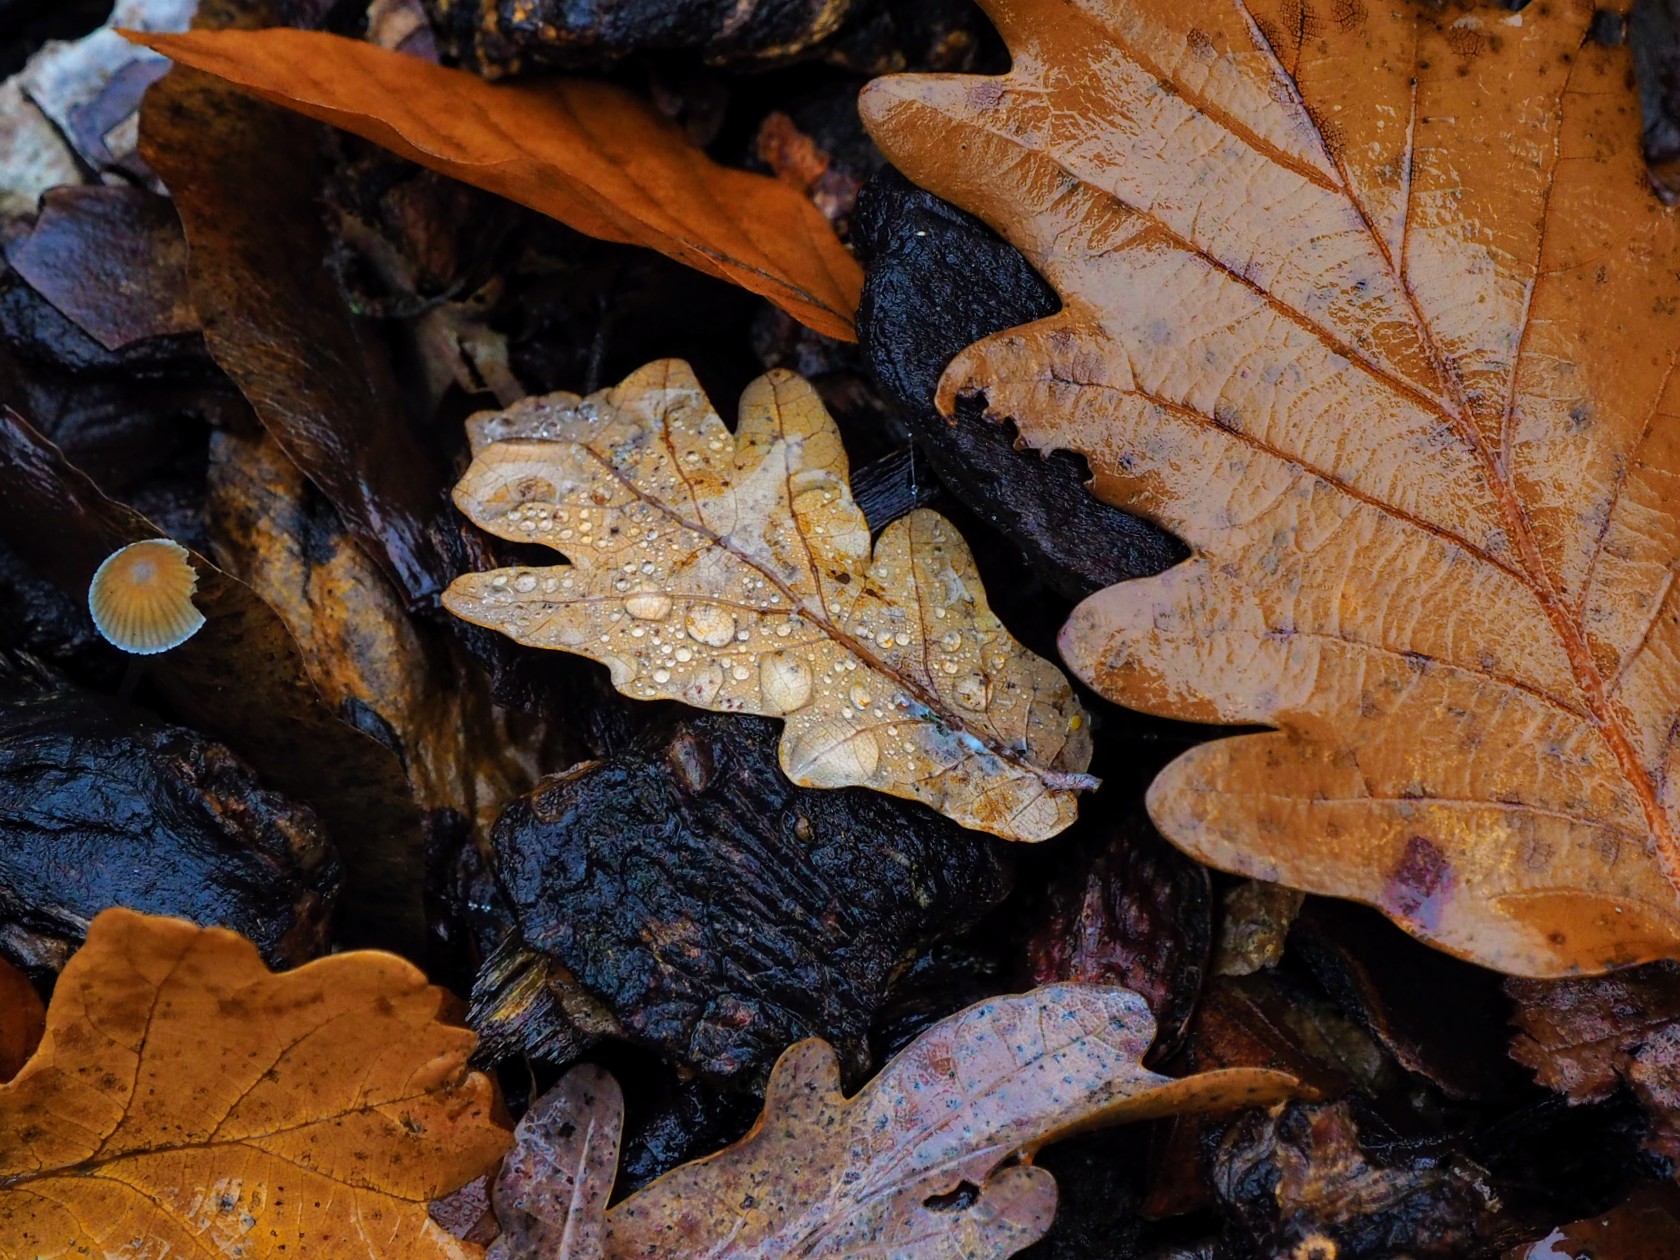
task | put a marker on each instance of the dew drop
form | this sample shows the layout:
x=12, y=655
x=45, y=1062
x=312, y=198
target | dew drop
x=740, y=673
x=648, y=606
x=499, y=581
x=525, y=582
x=972, y=692
x=685, y=654
x=709, y=624
x=784, y=681
x=861, y=698
x=951, y=640
x=661, y=675
x=707, y=682
x=830, y=754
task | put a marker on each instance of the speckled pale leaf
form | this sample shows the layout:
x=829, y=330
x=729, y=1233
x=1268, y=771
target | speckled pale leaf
x=1371, y=305
x=822, y=1176
x=185, y=1101
x=733, y=572
x=551, y=1195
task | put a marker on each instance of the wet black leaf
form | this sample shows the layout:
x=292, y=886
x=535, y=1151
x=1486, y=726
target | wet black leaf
x=245, y=177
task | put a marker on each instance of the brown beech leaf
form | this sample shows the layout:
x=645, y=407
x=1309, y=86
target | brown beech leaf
x=1378, y=315
x=590, y=154
x=186, y=1100
x=733, y=572
x=922, y=1162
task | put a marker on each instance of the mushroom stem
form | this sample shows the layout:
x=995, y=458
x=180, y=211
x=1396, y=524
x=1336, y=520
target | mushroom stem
x=131, y=679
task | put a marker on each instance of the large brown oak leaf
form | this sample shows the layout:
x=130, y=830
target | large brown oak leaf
x=1371, y=305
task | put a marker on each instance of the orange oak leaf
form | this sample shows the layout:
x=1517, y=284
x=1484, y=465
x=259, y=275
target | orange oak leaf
x=879, y=1174
x=1374, y=309
x=590, y=154
x=187, y=1101
x=734, y=572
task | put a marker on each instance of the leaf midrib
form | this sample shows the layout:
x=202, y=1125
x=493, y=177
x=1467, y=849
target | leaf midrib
x=1053, y=780
x=1531, y=570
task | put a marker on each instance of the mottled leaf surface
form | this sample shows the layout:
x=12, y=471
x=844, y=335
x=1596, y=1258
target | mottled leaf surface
x=185, y=1100
x=1372, y=308
x=734, y=572
x=551, y=1195
x=822, y=1175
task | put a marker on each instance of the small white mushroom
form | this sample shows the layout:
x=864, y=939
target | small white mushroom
x=141, y=597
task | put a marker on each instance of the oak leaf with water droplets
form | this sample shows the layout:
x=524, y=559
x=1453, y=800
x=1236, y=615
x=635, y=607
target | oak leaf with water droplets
x=186, y=1100
x=1377, y=313
x=734, y=572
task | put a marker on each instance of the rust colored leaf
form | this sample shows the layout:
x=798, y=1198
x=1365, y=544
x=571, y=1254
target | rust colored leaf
x=22, y=1018
x=822, y=1175
x=1586, y=1036
x=186, y=1100
x=551, y=1196
x=1645, y=1226
x=1375, y=311
x=734, y=572
x=590, y=154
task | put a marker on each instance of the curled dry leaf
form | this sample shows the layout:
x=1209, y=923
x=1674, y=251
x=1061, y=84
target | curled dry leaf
x=733, y=572
x=821, y=1175
x=1379, y=316
x=590, y=154
x=551, y=1195
x=185, y=1100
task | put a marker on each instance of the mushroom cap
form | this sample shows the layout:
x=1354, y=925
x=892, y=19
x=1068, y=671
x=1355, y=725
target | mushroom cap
x=141, y=597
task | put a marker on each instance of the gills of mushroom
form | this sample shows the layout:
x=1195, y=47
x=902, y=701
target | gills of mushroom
x=141, y=597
